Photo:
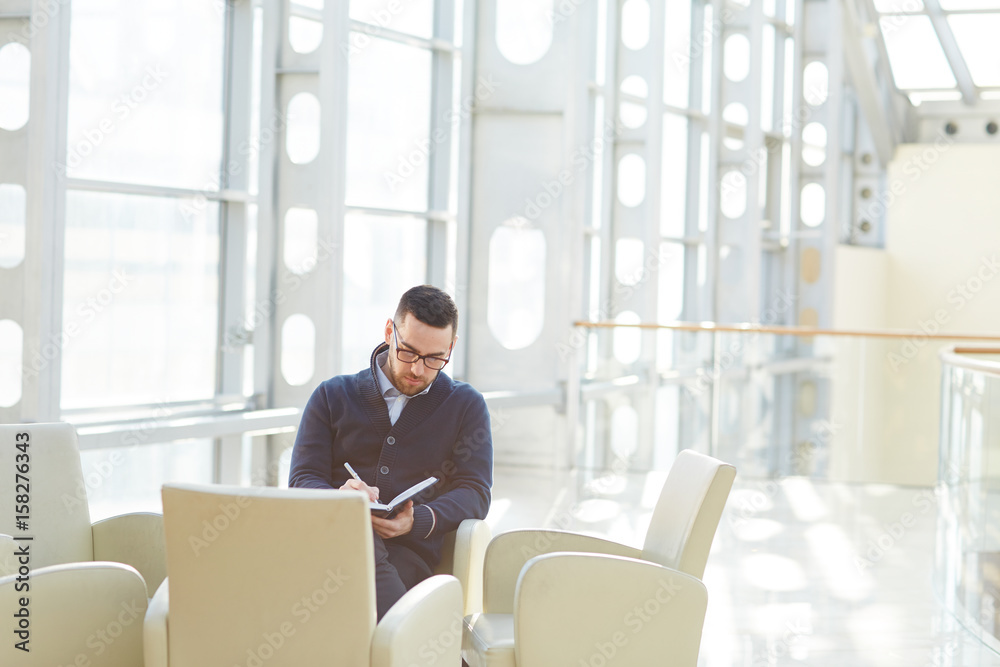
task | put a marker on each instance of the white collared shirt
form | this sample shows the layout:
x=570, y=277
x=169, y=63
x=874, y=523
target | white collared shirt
x=395, y=400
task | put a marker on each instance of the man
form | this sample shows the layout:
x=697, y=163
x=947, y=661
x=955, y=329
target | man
x=397, y=423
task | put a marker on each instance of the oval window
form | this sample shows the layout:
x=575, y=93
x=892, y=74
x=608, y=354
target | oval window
x=627, y=341
x=301, y=240
x=635, y=24
x=11, y=356
x=15, y=75
x=302, y=131
x=298, y=350
x=631, y=180
x=524, y=29
x=733, y=194
x=515, y=298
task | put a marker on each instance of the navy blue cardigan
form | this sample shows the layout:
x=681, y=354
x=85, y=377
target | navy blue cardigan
x=444, y=433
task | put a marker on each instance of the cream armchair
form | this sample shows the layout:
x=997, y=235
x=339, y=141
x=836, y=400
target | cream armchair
x=462, y=556
x=77, y=614
x=59, y=515
x=82, y=608
x=285, y=578
x=554, y=597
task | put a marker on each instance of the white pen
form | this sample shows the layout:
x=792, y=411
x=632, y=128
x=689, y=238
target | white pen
x=353, y=474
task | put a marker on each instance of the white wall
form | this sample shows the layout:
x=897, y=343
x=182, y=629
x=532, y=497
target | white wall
x=942, y=249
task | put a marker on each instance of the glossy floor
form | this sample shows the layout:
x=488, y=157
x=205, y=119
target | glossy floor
x=801, y=572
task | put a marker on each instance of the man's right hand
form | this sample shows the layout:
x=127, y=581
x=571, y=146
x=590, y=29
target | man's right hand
x=372, y=491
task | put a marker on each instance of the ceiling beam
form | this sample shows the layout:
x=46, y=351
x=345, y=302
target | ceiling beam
x=951, y=51
x=875, y=104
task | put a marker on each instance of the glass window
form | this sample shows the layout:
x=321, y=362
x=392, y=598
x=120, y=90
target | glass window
x=412, y=16
x=899, y=6
x=674, y=175
x=670, y=266
x=677, y=53
x=949, y=5
x=386, y=257
x=140, y=302
x=145, y=92
x=915, y=54
x=128, y=479
x=976, y=36
x=388, y=127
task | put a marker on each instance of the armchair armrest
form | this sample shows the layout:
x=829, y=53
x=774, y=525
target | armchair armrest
x=137, y=540
x=7, y=564
x=508, y=552
x=571, y=608
x=424, y=626
x=154, y=628
x=80, y=613
x=462, y=555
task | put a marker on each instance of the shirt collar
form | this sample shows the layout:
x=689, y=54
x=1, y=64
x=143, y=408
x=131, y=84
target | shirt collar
x=384, y=384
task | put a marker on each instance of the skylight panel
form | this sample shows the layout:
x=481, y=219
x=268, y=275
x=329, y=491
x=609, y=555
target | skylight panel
x=898, y=6
x=915, y=54
x=976, y=35
x=949, y=5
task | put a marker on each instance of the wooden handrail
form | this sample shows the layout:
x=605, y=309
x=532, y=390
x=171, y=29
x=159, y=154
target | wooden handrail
x=787, y=330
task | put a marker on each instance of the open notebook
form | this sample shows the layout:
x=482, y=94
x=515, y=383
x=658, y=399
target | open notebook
x=387, y=510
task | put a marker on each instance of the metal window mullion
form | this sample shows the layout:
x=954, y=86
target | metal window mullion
x=654, y=163
x=43, y=268
x=581, y=121
x=832, y=165
x=146, y=190
x=952, y=51
x=233, y=228
x=463, y=235
x=440, y=138
x=331, y=163
x=605, y=301
x=264, y=338
x=388, y=34
x=695, y=304
x=715, y=134
x=714, y=211
x=794, y=171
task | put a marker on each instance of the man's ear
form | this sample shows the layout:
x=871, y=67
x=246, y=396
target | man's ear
x=388, y=331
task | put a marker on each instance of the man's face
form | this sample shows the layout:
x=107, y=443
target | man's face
x=412, y=335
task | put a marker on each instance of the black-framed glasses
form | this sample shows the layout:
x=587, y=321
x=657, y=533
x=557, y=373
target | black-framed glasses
x=410, y=357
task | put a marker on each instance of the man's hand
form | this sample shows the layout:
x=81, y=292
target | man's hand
x=372, y=491
x=401, y=524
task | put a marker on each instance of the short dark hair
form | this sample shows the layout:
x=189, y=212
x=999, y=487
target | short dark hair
x=430, y=305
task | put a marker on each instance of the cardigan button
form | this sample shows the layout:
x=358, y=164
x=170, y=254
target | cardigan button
x=390, y=440
x=384, y=470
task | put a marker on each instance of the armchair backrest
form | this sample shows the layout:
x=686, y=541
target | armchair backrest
x=687, y=513
x=280, y=577
x=58, y=515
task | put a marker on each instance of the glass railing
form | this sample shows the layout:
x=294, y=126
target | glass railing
x=967, y=562
x=776, y=401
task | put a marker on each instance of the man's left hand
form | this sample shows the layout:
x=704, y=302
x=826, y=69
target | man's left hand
x=401, y=524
